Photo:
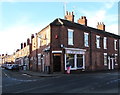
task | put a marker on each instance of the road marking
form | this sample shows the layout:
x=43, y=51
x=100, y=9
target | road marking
x=33, y=88
x=112, y=81
x=6, y=75
x=26, y=75
x=18, y=79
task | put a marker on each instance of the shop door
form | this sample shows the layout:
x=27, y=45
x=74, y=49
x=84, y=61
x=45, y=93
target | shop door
x=56, y=63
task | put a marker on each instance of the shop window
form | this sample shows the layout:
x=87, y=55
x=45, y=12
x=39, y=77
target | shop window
x=70, y=60
x=79, y=60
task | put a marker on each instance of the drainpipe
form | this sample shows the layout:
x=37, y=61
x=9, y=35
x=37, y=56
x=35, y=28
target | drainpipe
x=118, y=59
x=91, y=50
x=37, y=59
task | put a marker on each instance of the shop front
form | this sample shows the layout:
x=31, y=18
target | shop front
x=76, y=58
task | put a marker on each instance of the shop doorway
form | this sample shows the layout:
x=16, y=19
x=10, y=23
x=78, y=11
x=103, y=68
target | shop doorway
x=56, y=62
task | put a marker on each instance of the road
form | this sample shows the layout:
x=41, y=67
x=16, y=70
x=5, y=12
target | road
x=104, y=82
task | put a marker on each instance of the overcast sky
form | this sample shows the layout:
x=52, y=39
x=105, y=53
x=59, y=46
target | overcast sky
x=21, y=19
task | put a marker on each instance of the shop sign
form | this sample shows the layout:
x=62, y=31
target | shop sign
x=75, y=52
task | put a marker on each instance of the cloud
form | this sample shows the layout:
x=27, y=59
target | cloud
x=110, y=4
x=101, y=15
x=113, y=28
x=11, y=37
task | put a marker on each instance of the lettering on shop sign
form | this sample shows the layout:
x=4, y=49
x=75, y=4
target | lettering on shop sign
x=75, y=52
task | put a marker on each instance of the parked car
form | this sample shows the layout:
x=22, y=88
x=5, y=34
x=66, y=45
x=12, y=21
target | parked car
x=9, y=66
x=12, y=67
x=15, y=67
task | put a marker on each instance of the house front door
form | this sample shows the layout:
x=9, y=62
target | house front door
x=56, y=62
x=110, y=63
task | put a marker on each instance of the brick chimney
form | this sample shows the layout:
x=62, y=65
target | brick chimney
x=2, y=54
x=24, y=44
x=82, y=20
x=101, y=26
x=28, y=41
x=21, y=45
x=69, y=16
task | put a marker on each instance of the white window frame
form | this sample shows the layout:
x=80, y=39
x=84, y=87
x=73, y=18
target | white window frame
x=105, y=42
x=75, y=61
x=86, y=42
x=69, y=38
x=105, y=54
x=116, y=55
x=97, y=41
x=115, y=44
x=39, y=59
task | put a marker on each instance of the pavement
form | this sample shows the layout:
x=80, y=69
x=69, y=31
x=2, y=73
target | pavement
x=39, y=74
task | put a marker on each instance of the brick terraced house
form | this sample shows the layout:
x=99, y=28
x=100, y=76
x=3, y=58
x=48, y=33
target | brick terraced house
x=84, y=47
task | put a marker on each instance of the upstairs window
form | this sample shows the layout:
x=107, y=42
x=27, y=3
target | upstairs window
x=86, y=41
x=97, y=41
x=70, y=37
x=105, y=42
x=115, y=44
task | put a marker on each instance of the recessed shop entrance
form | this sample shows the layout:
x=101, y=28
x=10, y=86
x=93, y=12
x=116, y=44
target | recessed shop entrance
x=56, y=62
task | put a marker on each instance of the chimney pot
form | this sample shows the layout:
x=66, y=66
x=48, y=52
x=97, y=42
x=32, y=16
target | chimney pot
x=66, y=12
x=69, y=16
x=21, y=45
x=32, y=36
x=72, y=13
x=101, y=26
x=24, y=44
x=28, y=41
x=69, y=13
x=82, y=20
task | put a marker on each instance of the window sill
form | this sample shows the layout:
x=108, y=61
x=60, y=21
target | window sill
x=105, y=48
x=86, y=46
x=105, y=64
x=70, y=44
x=98, y=47
x=80, y=68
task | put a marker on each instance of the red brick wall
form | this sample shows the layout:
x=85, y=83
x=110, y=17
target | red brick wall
x=97, y=54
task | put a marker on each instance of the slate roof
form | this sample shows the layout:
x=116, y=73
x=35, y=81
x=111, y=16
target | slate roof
x=60, y=22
